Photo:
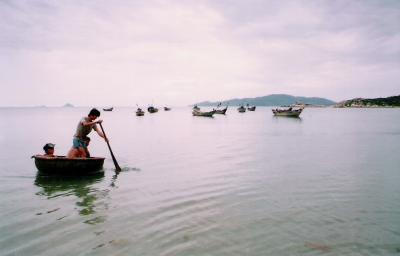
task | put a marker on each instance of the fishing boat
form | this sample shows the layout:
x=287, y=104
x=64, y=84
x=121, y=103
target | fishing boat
x=108, y=109
x=152, y=109
x=290, y=112
x=206, y=114
x=139, y=112
x=221, y=111
x=167, y=109
x=253, y=108
x=61, y=165
x=241, y=109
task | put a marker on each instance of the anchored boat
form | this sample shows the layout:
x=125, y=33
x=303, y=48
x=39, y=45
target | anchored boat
x=108, y=109
x=152, y=109
x=221, y=111
x=290, y=112
x=200, y=113
x=61, y=165
x=139, y=112
x=241, y=109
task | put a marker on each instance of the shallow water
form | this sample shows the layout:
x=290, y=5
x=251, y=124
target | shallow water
x=240, y=184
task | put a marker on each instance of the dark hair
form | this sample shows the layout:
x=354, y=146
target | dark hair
x=48, y=146
x=94, y=112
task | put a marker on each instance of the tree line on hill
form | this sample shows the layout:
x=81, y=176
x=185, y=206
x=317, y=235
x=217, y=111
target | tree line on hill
x=393, y=101
x=286, y=100
x=271, y=100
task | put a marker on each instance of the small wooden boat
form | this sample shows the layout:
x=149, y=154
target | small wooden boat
x=253, y=108
x=139, y=112
x=195, y=107
x=290, y=112
x=152, y=109
x=167, y=109
x=61, y=165
x=206, y=114
x=221, y=111
x=108, y=109
x=241, y=109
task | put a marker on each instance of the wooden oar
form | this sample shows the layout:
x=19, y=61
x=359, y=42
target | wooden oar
x=117, y=168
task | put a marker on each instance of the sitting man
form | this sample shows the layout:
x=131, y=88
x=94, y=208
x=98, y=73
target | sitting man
x=49, y=150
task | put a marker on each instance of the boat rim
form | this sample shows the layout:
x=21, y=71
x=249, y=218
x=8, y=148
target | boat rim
x=64, y=158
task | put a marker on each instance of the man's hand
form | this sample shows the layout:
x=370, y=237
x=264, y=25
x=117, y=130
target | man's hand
x=99, y=121
x=106, y=139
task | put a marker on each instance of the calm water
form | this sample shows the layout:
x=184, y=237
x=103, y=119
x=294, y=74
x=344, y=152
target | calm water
x=240, y=184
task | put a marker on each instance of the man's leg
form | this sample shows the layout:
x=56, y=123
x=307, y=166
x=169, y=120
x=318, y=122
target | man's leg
x=82, y=152
x=73, y=153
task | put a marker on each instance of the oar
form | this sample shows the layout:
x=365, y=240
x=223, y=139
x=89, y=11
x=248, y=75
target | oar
x=117, y=168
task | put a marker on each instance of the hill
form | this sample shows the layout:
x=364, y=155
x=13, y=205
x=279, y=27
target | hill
x=393, y=101
x=272, y=100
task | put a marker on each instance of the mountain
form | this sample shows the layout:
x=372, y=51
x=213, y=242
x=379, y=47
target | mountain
x=271, y=100
x=393, y=101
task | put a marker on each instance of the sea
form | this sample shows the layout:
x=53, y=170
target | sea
x=251, y=184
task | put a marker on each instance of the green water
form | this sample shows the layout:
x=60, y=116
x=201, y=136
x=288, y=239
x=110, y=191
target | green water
x=240, y=184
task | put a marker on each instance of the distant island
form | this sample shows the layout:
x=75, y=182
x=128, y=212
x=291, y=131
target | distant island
x=68, y=105
x=272, y=100
x=389, y=102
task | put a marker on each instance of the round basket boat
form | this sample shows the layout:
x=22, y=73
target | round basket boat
x=69, y=166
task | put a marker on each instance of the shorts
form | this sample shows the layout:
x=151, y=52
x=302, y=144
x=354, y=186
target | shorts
x=78, y=143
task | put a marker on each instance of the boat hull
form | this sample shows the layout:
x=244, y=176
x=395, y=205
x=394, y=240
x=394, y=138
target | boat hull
x=152, y=110
x=205, y=114
x=294, y=113
x=69, y=166
x=221, y=112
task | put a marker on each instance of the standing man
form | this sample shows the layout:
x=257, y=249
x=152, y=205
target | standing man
x=85, y=126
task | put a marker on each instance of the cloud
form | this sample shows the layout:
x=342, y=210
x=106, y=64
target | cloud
x=173, y=52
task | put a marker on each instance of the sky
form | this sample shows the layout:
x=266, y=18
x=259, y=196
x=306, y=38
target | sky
x=123, y=53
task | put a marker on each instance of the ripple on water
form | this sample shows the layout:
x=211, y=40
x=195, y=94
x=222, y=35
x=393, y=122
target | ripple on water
x=236, y=185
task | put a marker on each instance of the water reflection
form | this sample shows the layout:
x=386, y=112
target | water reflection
x=114, y=179
x=293, y=119
x=82, y=187
x=117, y=173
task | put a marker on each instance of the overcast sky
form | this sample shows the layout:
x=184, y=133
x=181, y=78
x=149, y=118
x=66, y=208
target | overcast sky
x=103, y=53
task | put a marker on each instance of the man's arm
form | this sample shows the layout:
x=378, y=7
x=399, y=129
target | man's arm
x=100, y=133
x=86, y=123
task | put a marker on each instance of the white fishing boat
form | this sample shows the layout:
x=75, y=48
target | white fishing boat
x=241, y=109
x=200, y=113
x=139, y=112
x=290, y=112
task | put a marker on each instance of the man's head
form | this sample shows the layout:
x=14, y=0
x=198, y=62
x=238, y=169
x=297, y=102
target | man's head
x=93, y=114
x=49, y=148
